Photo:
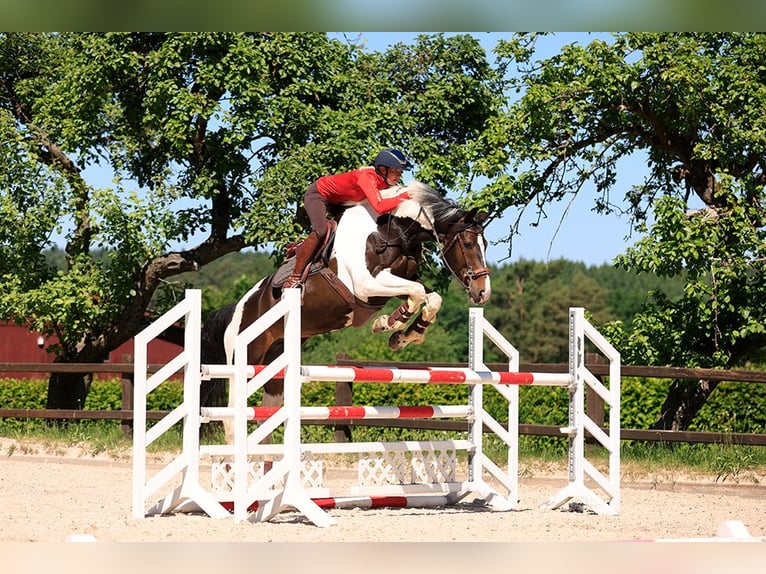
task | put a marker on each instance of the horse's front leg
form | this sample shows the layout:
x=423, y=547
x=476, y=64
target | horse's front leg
x=399, y=319
x=416, y=332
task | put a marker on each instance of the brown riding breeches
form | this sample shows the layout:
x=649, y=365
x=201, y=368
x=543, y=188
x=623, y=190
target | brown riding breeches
x=316, y=208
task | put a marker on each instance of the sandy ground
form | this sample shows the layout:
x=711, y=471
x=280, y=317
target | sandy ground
x=56, y=495
x=51, y=497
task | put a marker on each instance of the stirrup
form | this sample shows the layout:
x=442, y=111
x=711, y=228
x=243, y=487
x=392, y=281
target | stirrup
x=293, y=281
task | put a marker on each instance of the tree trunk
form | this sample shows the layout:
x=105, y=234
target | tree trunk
x=684, y=400
x=68, y=390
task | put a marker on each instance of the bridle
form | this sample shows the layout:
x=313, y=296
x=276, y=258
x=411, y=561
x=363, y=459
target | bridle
x=470, y=274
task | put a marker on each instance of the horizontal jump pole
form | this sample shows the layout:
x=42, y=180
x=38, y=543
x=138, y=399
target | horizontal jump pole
x=349, y=502
x=348, y=412
x=224, y=450
x=442, y=376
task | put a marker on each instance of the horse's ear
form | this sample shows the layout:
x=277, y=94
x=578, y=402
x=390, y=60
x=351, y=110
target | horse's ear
x=478, y=216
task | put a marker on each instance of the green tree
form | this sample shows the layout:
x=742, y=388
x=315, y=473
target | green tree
x=628, y=291
x=692, y=105
x=531, y=301
x=222, y=281
x=210, y=139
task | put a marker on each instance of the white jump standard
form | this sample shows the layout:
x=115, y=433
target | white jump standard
x=405, y=473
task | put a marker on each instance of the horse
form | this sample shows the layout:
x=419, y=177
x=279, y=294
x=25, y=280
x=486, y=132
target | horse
x=371, y=260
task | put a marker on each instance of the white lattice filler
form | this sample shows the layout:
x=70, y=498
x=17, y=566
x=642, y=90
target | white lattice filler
x=386, y=468
x=222, y=473
x=312, y=471
x=433, y=466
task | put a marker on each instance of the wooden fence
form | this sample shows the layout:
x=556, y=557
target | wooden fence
x=344, y=396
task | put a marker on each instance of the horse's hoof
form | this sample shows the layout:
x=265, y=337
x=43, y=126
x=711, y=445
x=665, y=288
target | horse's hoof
x=380, y=325
x=397, y=341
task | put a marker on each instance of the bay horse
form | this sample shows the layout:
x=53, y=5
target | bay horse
x=371, y=260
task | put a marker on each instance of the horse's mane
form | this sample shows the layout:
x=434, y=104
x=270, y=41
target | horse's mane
x=440, y=208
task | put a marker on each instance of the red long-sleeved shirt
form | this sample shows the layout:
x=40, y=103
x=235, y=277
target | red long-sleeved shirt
x=357, y=185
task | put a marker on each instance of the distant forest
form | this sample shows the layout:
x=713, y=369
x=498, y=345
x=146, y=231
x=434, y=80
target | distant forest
x=529, y=305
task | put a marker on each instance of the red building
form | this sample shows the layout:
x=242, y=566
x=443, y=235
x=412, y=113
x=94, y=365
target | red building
x=19, y=345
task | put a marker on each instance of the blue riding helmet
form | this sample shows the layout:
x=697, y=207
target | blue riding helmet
x=392, y=158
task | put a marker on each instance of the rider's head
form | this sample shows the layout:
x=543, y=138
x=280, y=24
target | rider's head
x=390, y=163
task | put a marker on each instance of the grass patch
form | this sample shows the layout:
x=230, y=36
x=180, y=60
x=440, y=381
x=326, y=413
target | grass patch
x=643, y=461
x=88, y=438
x=724, y=462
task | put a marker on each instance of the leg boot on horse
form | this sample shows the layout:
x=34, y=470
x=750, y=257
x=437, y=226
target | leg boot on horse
x=303, y=256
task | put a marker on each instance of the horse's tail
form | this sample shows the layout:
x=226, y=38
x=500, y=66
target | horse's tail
x=213, y=352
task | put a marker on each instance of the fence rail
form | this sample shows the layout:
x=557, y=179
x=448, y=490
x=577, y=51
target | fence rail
x=344, y=396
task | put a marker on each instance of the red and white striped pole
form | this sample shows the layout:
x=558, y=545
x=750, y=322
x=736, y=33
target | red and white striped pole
x=348, y=412
x=434, y=375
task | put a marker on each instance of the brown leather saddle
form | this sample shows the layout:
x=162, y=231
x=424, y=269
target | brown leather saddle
x=320, y=260
x=320, y=265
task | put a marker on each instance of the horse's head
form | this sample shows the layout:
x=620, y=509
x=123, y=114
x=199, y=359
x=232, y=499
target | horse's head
x=463, y=251
x=460, y=234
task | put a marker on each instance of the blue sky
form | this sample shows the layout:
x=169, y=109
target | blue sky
x=571, y=231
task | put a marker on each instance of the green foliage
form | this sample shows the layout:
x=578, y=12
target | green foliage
x=723, y=323
x=222, y=281
x=22, y=393
x=627, y=291
x=690, y=105
x=641, y=400
x=105, y=394
x=361, y=344
x=532, y=306
x=219, y=133
x=734, y=407
x=530, y=302
x=210, y=140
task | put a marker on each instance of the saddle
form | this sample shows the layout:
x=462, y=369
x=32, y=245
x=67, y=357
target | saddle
x=320, y=265
x=319, y=261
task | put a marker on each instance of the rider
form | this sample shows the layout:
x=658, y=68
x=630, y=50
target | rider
x=352, y=186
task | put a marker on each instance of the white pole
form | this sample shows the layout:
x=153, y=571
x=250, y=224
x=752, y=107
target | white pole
x=292, y=388
x=239, y=390
x=576, y=397
x=192, y=381
x=475, y=396
x=139, y=426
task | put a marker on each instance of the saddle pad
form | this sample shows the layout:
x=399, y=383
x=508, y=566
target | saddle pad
x=286, y=269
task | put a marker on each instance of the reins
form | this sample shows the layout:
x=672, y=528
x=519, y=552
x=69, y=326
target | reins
x=388, y=244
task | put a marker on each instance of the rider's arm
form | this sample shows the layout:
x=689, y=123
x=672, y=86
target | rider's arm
x=379, y=203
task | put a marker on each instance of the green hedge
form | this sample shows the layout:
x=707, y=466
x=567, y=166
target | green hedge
x=733, y=407
x=103, y=395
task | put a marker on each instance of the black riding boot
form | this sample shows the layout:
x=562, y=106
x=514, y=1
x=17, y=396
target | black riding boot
x=303, y=257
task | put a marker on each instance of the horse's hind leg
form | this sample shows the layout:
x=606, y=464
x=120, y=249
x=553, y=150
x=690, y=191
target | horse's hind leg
x=415, y=333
